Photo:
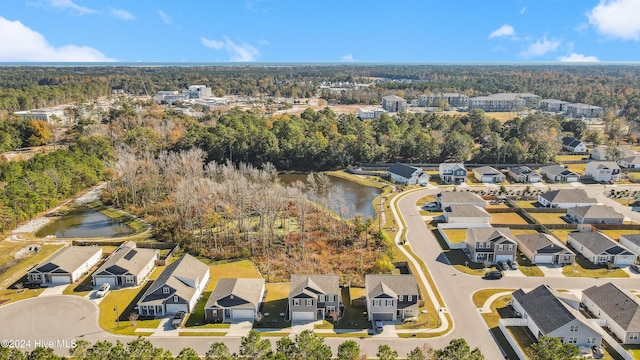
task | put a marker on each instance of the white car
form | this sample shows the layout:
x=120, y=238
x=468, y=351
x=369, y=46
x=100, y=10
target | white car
x=104, y=289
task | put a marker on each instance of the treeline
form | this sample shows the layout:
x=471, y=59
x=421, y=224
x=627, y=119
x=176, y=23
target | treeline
x=305, y=345
x=37, y=184
x=16, y=132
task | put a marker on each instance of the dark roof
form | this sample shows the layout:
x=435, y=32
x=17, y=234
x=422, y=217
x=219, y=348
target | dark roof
x=596, y=211
x=494, y=235
x=247, y=293
x=127, y=258
x=541, y=243
x=568, y=196
x=556, y=170
x=521, y=170
x=313, y=285
x=621, y=307
x=598, y=243
x=544, y=308
x=186, y=268
x=403, y=170
x=68, y=259
x=390, y=285
x=570, y=142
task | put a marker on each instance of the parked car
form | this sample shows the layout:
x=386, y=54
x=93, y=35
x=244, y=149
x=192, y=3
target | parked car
x=502, y=266
x=597, y=352
x=513, y=265
x=493, y=275
x=178, y=318
x=377, y=326
x=103, y=290
x=635, y=268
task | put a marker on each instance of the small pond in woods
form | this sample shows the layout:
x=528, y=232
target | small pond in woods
x=84, y=222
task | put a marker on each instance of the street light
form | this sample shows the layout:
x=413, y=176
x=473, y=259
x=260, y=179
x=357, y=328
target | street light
x=115, y=309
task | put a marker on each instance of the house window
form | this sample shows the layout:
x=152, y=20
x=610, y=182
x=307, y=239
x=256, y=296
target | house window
x=633, y=336
x=389, y=302
x=321, y=298
x=409, y=298
x=165, y=290
x=129, y=279
x=560, y=338
x=331, y=298
x=376, y=302
x=575, y=328
x=214, y=312
x=296, y=302
x=573, y=340
x=331, y=308
x=500, y=247
x=591, y=340
x=400, y=297
x=175, y=298
x=309, y=302
x=510, y=247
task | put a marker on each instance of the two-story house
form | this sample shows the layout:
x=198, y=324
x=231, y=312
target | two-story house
x=313, y=297
x=603, y=170
x=452, y=173
x=391, y=297
x=490, y=244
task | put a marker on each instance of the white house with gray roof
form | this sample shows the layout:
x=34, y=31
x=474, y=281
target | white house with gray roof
x=66, y=266
x=631, y=242
x=600, y=249
x=391, y=297
x=618, y=307
x=542, y=248
x=449, y=198
x=466, y=214
x=234, y=299
x=178, y=288
x=488, y=174
x=524, y=174
x=546, y=314
x=559, y=173
x=128, y=265
x=630, y=162
x=603, y=170
x=408, y=175
x=313, y=297
x=573, y=145
x=452, y=173
x=595, y=214
x=566, y=198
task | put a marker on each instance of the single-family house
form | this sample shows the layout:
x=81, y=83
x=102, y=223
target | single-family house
x=313, y=297
x=595, y=214
x=566, y=198
x=630, y=162
x=178, y=288
x=408, y=175
x=234, y=299
x=573, y=145
x=466, y=214
x=394, y=103
x=452, y=173
x=490, y=244
x=600, y=249
x=66, y=266
x=548, y=315
x=544, y=249
x=603, y=170
x=448, y=198
x=559, y=173
x=599, y=153
x=487, y=174
x=618, y=307
x=128, y=265
x=631, y=242
x=391, y=297
x=524, y=174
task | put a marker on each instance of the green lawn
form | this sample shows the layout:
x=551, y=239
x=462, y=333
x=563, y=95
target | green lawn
x=492, y=318
x=362, y=180
x=275, y=303
x=425, y=199
x=456, y=235
x=11, y=295
x=576, y=168
x=578, y=271
x=549, y=218
x=507, y=218
x=481, y=296
x=123, y=300
x=527, y=268
x=17, y=272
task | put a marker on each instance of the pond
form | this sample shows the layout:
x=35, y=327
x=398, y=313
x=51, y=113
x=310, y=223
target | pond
x=84, y=222
x=356, y=198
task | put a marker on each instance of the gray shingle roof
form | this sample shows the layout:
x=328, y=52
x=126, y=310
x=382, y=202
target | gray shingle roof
x=184, y=269
x=450, y=166
x=486, y=170
x=312, y=285
x=606, y=165
x=459, y=197
x=247, y=293
x=393, y=98
x=633, y=159
x=521, y=170
x=544, y=308
x=69, y=259
x=496, y=235
x=555, y=170
x=403, y=170
x=596, y=211
x=622, y=307
x=568, y=196
x=127, y=259
x=541, y=243
x=391, y=285
x=467, y=211
x=632, y=238
x=598, y=243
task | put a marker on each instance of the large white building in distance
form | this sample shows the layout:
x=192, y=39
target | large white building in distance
x=193, y=92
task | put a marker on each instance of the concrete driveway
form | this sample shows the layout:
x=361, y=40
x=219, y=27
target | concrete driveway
x=54, y=290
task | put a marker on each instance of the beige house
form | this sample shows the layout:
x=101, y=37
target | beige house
x=490, y=244
x=391, y=297
x=544, y=249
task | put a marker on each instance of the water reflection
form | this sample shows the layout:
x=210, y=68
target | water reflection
x=84, y=222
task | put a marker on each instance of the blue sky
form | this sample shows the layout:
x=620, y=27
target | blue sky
x=320, y=31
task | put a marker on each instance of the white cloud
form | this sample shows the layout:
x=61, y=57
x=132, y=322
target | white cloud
x=541, y=47
x=166, y=19
x=68, y=4
x=347, y=58
x=263, y=42
x=522, y=11
x=20, y=43
x=240, y=53
x=573, y=57
x=121, y=14
x=617, y=18
x=502, y=31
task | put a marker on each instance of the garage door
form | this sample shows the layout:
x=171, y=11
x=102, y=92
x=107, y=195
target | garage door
x=487, y=179
x=60, y=279
x=382, y=316
x=623, y=260
x=174, y=308
x=302, y=316
x=504, y=258
x=543, y=259
x=243, y=314
x=106, y=279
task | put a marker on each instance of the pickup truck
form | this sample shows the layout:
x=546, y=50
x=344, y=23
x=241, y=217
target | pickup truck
x=178, y=318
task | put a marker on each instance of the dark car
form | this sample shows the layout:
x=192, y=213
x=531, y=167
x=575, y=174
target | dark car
x=377, y=326
x=502, y=266
x=597, y=352
x=178, y=318
x=513, y=265
x=635, y=268
x=493, y=275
